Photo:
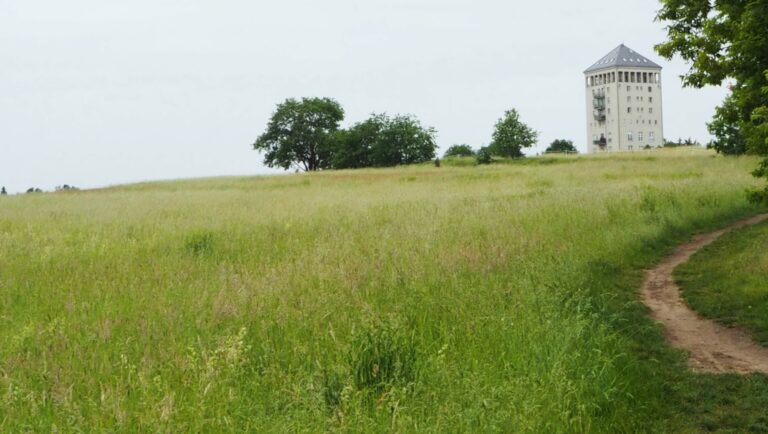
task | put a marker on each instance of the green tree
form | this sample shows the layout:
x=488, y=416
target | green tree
x=725, y=127
x=484, y=156
x=3, y=192
x=402, y=140
x=511, y=135
x=725, y=40
x=562, y=145
x=354, y=147
x=459, y=151
x=383, y=141
x=301, y=134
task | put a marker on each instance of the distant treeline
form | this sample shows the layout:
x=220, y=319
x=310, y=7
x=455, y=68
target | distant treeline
x=64, y=187
x=306, y=134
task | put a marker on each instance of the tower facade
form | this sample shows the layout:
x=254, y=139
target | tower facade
x=623, y=96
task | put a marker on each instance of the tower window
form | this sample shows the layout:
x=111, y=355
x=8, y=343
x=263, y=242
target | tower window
x=650, y=89
x=629, y=88
x=639, y=136
x=650, y=99
x=629, y=109
x=650, y=109
x=651, y=136
x=629, y=136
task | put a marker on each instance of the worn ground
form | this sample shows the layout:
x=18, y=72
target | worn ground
x=712, y=347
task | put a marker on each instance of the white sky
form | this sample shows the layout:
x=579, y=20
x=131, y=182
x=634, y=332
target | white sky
x=98, y=92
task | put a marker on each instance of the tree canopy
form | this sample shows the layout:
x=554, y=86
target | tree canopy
x=459, y=151
x=354, y=146
x=484, y=156
x=725, y=40
x=306, y=135
x=382, y=141
x=403, y=140
x=562, y=145
x=301, y=134
x=511, y=135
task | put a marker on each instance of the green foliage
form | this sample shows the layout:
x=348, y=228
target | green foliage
x=3, y=192
x=723, y=40
x=725, y=126
x=403, y=140
x=562, y=146
x=383, y=141
x=355, y=146
x=484, y=156
x=301, y=134
x=459, y=151
x=759, y=145
x=511, y=135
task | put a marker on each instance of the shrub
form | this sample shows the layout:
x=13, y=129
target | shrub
x=459, y=151
x=484, y=156
x=562, y=146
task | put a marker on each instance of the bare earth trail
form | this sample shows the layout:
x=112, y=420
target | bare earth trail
x=712, y=347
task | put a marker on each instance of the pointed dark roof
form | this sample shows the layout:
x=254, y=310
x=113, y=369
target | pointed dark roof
x=622, y=56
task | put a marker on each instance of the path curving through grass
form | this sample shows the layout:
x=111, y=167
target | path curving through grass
x=712, y=347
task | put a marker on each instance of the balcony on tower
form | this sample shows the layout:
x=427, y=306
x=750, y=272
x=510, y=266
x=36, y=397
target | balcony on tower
x=598, y=103
x=601, y=142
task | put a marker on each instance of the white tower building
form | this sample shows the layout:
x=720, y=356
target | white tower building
x=623, y=102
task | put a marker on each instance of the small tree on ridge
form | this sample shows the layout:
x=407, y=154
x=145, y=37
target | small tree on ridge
x=511, y=135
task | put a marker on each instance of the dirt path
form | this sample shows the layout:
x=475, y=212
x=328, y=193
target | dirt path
x=712, y=347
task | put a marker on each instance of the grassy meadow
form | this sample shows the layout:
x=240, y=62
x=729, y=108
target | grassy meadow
x=728, y=280
x=500, y=298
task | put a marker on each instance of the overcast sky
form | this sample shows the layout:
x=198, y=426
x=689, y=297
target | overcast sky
x=99, y=92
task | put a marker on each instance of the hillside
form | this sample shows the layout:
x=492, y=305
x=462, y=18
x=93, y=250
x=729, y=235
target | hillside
x=500, y=298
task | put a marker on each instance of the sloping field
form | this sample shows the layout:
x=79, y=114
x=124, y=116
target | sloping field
x=420, y=299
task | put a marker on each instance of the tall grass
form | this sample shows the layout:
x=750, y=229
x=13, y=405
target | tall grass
x=497, y=298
